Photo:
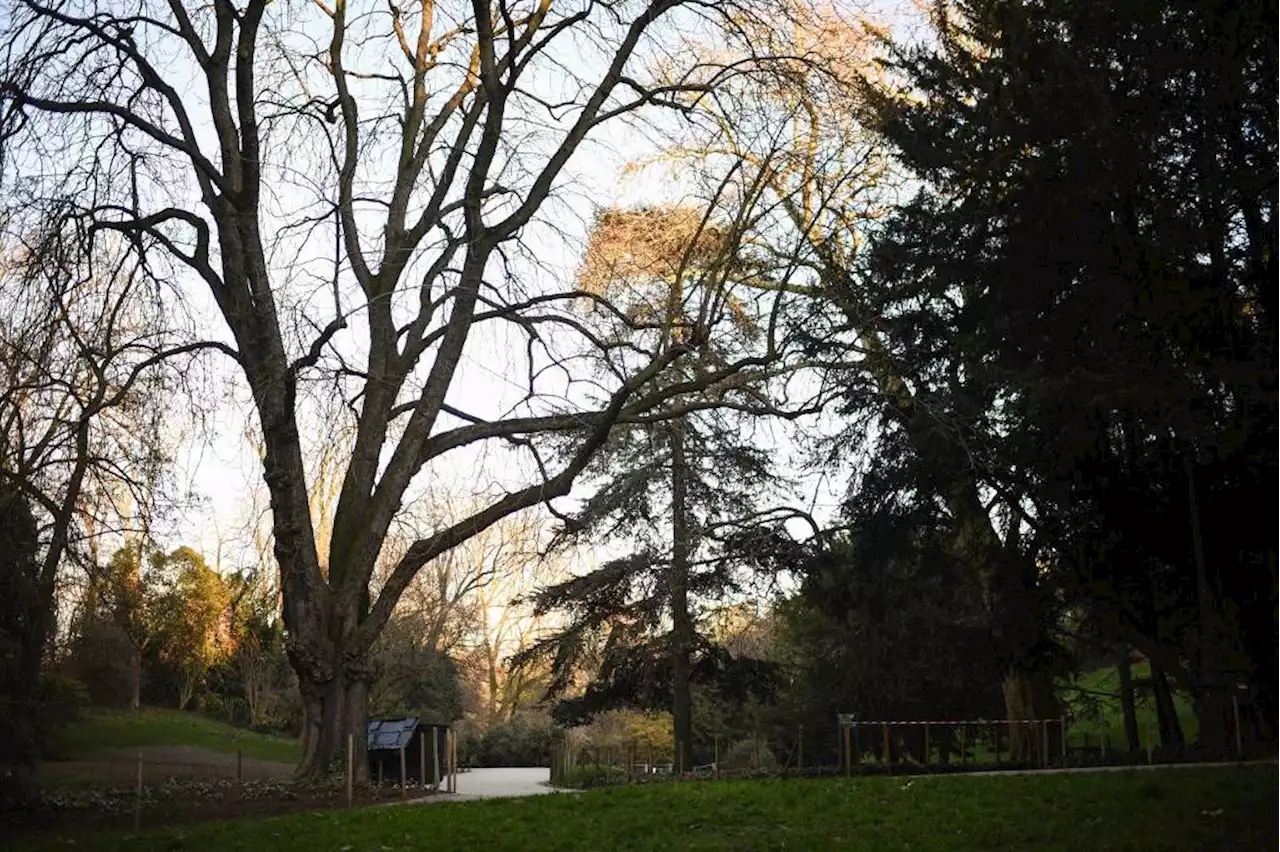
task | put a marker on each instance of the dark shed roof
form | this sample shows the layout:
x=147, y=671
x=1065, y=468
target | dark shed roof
x=391, y=733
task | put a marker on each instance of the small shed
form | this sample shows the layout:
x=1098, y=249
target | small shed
x=422, y=763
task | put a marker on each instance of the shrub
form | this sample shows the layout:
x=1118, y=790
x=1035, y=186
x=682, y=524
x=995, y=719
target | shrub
x=61, y=701
x=588, y=775
x=742, y=755
x=524, y=741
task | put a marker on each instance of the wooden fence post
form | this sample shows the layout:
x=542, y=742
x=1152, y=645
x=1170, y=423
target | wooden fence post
x=1235, y=712
x=422, y=760
x=404, y=776
x=800, y=749
x=888, y=753
x=715, y=758
x=137, y=798
x=240, y=767
x=848, y=752
x=351, y=768
x=964, y=743
x=435, y=758
x=1044, y=741
x=927, y=755
x=996, y=732
x=1062, y=723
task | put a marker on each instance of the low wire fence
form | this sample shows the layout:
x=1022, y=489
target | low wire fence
x=848, y=746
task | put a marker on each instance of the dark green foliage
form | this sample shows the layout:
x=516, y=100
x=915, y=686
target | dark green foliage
x=617, y=615
x=522, y=741
x=412, y=678
x=1082, y=294
x=888, y=634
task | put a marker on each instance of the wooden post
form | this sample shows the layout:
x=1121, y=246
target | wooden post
x=1062, y=724
x=1235, y=711
x=996, y=730
x=848, y=751
x=926, y=745
x=1150, y=737
x=422, y=759
x=857, y=749
x=964, y=743
x=240, y=767
x=1044, y=741
x=137, y=797
x=351, y=767
x=379, y=772
x=435, y=758
x=404, y=776
x=453, y=736
x=679, y=759
x=715, y=755
x=800, y=749
x=888, y=753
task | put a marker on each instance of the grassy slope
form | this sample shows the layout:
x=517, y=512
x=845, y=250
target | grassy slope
x=1180, y=809
x=153, y=726
x=1106, y=717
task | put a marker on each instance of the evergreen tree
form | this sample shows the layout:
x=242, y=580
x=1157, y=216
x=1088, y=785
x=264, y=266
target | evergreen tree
x=1085, y=283
x=663, y=483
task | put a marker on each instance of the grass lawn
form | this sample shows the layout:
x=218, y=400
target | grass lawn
x=1211, y=809
x=156, y=727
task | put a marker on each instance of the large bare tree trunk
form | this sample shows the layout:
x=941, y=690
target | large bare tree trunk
x=135, y=678
x=333, y=711
x=681, y=622
x=1028, y=694
x=1127, y=705
x=1166, y=710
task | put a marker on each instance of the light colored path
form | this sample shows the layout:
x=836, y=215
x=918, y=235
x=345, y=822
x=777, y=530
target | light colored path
x=497, y=783
x=504, y=782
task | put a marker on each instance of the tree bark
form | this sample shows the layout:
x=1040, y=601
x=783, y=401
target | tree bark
x=1028, y=695
x=1127, y=706
x=1166, y=711
x=1212, y=695
x=135, y=677
x=334, y=709
x=681, y=622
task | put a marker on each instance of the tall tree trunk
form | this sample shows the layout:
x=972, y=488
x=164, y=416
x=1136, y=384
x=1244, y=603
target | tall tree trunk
x=1166, y=711
x=1212, y=695
x=333, y=710
x=135, y=678
x=1127, y=705
x=1028, y=695
x=681, y=622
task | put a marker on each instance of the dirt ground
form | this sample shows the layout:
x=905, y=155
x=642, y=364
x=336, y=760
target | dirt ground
x=114, y=767
x=181, y=784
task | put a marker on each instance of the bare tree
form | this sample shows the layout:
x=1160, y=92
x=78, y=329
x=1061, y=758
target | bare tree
x=81, y=344
x=351, y=187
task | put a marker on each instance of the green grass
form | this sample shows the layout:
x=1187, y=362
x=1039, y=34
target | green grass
x=153, y=726
x=1097, y=715
x=1211, y=809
